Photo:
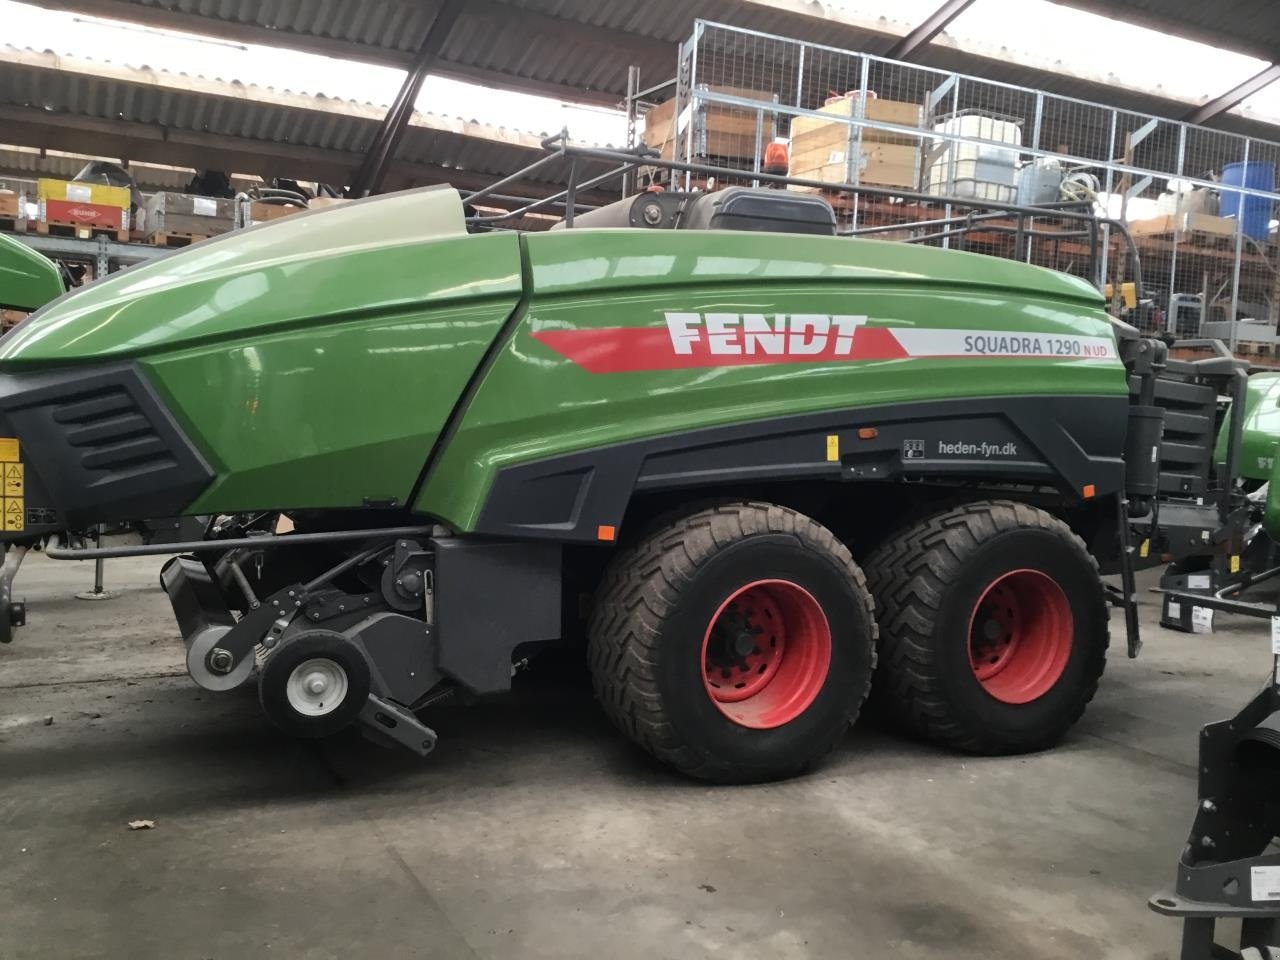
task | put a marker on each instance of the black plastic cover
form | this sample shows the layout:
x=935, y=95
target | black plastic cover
x=775, y=211
x=103, y=443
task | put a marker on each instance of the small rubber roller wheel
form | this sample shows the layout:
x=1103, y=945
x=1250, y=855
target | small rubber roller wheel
x=314, y=685
x=735, y=644
x=993, y=625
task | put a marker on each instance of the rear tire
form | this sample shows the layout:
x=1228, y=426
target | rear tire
x=993, y=627
x=735, y=644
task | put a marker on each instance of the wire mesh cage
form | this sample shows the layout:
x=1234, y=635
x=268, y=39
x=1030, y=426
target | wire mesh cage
x=1200, y=203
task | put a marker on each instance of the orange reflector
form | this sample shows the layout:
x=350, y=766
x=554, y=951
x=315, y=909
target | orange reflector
x=1088, y=491
x=868, y=433
x=606, y=532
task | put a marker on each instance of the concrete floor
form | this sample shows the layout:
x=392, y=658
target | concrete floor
x=535, y=831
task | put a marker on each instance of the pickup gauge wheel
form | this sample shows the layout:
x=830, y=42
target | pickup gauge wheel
x=314, y=685
x=735, y=644
x=993, y=626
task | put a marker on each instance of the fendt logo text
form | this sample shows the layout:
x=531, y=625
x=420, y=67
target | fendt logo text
x=734, y=334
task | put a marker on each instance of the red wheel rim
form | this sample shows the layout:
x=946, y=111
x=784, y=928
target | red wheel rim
x=1020, y=635
x=766, y=654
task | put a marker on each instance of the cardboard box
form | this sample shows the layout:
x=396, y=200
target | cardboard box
x=179, y=213
x=84, y=214
x=723, y=131
x=1184, y=223
x=260, y=212
x=98, y=194
x=814, y=133
x=9, y=205
x=880, y=164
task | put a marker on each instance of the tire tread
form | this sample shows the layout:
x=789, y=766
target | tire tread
x=639, y=591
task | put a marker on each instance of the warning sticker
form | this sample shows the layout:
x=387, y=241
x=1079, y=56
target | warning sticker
x=1264, y=883
x=9, y=450
x=14, y=514
x=833, y=447
x=13, y=480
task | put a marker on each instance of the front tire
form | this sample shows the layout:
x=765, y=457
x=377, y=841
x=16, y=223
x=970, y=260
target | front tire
x=993, y=627
x=735, y=644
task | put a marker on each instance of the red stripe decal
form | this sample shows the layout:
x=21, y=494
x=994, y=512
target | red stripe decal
x=629, y=349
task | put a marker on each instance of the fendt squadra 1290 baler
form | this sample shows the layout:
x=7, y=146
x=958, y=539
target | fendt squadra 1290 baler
x=756, y=475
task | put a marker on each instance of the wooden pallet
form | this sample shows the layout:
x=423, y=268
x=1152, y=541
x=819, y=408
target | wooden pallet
x=12, y=225
x=58, y=228
x=173, y=239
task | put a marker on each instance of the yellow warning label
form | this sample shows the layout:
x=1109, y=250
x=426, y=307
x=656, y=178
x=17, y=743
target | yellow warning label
x=1235, y=563
x=14, y=514
x=833, y=448
x=9, y=450
x=1145, y=548
x=13, y=479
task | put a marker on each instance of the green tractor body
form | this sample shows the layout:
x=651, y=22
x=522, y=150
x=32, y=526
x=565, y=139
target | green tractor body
x=27, y=279
x=473, y=436
x=1261, y=428
x=317, y=364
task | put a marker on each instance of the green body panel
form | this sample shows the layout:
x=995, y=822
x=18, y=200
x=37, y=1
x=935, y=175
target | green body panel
x=316, y=360
x=1271, y=510
x=27, y=279
x=1261, y=429
x=533, y=403
x=312, y=359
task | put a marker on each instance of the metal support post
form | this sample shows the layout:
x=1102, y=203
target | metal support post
x=99, y=569
x=1235, y=269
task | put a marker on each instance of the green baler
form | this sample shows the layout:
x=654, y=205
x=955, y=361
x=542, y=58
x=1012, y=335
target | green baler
x=773, y=469
x=27, y=279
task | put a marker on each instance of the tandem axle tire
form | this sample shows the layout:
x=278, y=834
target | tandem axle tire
x=993, y=627
x=735, y=644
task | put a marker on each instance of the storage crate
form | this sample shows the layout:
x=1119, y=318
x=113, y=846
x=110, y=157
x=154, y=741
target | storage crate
x=720, y=131
x=183, y=215
x=260, y=212
x=79, y=214
x=878, y=164
x=1184, y=224
x=98, y=194
x=809, y=134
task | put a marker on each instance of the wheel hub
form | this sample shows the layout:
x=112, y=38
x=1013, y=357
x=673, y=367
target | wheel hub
x=317, y=687
x=766, y=654
x=1020, y=636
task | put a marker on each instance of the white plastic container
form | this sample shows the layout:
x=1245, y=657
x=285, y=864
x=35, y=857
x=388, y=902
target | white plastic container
x=984, y=171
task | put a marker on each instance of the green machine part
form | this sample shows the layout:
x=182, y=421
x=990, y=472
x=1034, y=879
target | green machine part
x=590, y=362
x=1260, y=431
x=376, y=354
x=313, y=359
x=28, y=280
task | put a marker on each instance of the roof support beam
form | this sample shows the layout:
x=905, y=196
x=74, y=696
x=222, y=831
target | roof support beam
x=1233, y=97
x=369, y=175
x=933, y=25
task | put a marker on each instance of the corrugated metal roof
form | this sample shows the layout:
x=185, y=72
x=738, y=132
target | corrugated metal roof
x=1246, y=26
x=581, y=48
x=142, y=114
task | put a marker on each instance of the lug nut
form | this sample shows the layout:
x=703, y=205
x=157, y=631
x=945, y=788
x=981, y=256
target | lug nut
x=221, y=661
